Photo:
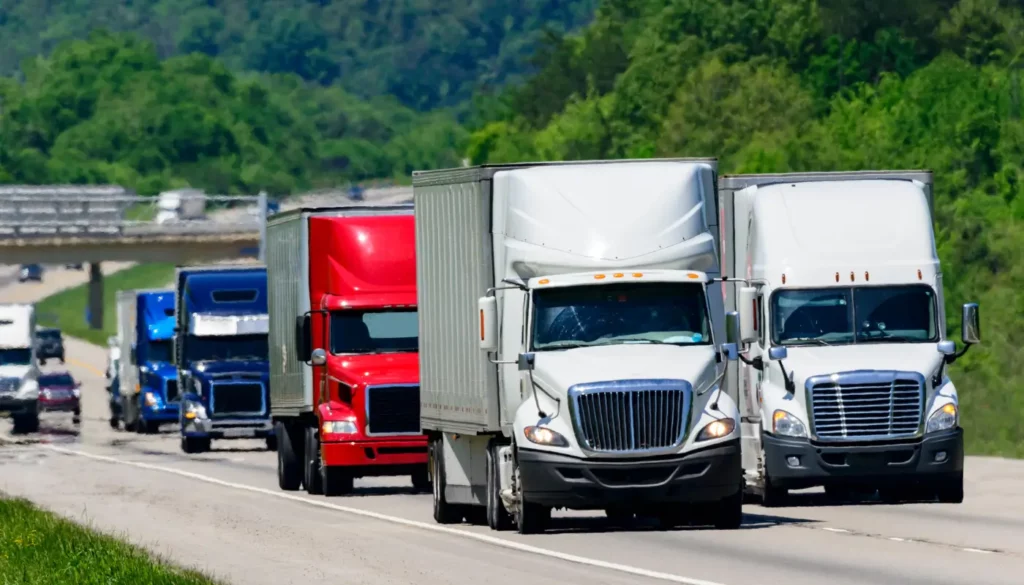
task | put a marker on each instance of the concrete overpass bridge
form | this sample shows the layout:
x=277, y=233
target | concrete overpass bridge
x=78, y=224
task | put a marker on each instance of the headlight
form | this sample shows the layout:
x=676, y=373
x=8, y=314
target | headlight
x=545, y=436
x=76, y=392
x=787, y=425
x=342, y=427
x=717, y=429
x=194, y=410
x=150, y=399
x=943, y=419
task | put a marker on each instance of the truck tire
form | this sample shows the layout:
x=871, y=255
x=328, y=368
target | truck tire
x=498, y=517
x=195, y=444
x=421, y=480
x=336, y=481
x=729, y=512
x=289, y=464
x=532, y=518
x=115, y=423
x=619, y=516
x=444, y=513
x=951, y=491
x=25, y=423
x=311, y=476
x=147, y=427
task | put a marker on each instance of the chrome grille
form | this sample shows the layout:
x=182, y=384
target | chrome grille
x=236, y=398
x=393, y=410
x=631, y=415
x=866, y=405
x=9, y=385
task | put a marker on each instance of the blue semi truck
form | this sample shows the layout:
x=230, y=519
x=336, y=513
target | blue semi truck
x=147, y=379
x=220, y=352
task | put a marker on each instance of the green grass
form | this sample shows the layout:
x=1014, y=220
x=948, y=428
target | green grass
x=40, y=548
x=66, y=309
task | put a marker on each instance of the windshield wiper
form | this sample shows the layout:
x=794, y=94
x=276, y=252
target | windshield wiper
x=903, y=338
x=563, y=345
x=810, y=340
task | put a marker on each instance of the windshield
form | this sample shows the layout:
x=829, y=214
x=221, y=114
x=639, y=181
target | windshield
x=575, y=316
x=216, y=348
x=56, y=380
x=375, y=331
x=159, y=351
x=48, y=335
x=877, y=314
x=15, y=357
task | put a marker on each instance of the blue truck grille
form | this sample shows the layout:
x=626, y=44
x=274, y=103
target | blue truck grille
x=867, y=409
x=393, y=410
x=236, y=398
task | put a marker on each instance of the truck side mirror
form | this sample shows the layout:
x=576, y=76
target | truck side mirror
x=947, y=347
x=318, y=357
x=778, y=353
x=488, y=310
x=747, y=312
x=526, y=361
x=732, y=327
x=970, y=330
x=303, y=335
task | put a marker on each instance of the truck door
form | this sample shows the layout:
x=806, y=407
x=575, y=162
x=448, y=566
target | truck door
x=750, y=386
x=513, y=319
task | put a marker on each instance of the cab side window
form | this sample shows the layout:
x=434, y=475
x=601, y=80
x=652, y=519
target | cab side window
x=759, y=320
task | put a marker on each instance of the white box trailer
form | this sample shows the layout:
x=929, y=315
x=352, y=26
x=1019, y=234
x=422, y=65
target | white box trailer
x=840, y=302
x=19, y=366
x=566, y=327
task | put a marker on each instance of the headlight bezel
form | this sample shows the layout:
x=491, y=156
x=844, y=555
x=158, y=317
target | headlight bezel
x=545, y=436
x=797, y=428
x=705, y=433
x=942, y=413
x=337, y=427
x=196, y=409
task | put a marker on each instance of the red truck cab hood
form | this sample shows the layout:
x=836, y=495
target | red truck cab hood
x=374, y=369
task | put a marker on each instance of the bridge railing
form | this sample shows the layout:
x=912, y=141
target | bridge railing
x=56, y=211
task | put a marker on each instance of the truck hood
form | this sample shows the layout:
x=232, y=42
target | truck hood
x=207, y=369
x=382, y=368
x=165, y=370
x=805, y=362
x=561, y=369
x=13, y=371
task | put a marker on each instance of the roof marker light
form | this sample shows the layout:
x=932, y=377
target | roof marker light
x=867, y=276
x=851, y=276
x=783, y=278
x=638, y=274
x=543, y=281
x=692, y=275
x=618, y=275
x=837, y=277
x=919, y=274
x=598, y=276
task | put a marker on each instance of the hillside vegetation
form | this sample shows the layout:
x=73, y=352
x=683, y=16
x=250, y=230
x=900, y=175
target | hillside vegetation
x=791, y=85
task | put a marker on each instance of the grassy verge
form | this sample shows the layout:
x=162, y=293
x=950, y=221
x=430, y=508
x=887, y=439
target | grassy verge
x=66, y=309
x=40, y=548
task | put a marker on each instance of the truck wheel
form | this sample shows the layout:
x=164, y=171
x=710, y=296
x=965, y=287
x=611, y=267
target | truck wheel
x=951, y=491
x=421, y=480
x=311, y=476
x=114, y=423
x=195, y=444
x=532, y=518
x=498, y=517
x=336, y=481
x=444, y=513
x=148, y=427
x=25, y=423
x=729, y=512
x=289, y=466
x=672, y=516
x=619, y=516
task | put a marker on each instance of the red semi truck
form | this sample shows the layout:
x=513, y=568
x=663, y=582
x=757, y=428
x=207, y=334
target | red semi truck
x=344, y=339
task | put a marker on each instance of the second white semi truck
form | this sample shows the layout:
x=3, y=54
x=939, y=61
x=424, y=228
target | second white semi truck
x=568, y=355
x=843, y=381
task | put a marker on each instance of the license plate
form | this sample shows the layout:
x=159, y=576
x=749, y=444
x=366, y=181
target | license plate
x=239, y=432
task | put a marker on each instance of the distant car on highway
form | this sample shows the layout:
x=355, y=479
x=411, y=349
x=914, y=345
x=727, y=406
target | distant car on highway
x=49, y=344
x=73, y=266
x=30, y=272
x=59, y=392
x=355, y=193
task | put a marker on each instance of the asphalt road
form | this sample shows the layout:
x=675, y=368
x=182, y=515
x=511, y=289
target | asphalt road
x=223, y=513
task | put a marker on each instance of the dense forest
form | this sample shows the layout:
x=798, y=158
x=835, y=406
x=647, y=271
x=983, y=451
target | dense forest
x=287, y=94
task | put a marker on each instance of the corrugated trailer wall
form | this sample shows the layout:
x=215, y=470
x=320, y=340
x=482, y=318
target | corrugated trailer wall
x=286, y=279
x=127, y=313
x=458, y=385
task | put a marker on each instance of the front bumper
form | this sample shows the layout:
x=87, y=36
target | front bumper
x=10, y=403
x=162, y=413
x=227, y=428
x=876, y=464
x=59, y=405
x=381, y=457
x=707, y=475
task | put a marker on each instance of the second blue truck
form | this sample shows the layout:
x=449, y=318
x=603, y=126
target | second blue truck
x=220, y=352
x=147, y=380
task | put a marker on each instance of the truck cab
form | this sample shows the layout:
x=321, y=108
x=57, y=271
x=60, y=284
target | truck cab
x=19, y=368
x=843, y=379
x=149, y=380
x=220, y=353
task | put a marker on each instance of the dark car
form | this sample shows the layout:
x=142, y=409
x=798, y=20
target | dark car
x=73, y=266
x=49, y=345
x=30, y=272
x=59, y=392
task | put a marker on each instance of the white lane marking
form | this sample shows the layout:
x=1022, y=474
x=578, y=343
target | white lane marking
x=396, y=520
x=842, y=530
x=978, y=550
x=900, y=539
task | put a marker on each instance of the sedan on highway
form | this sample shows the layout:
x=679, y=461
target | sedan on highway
x=30, y=272
x=49, y=344
x=59, y=392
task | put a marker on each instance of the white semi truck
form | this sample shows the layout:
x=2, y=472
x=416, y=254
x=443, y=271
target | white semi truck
x=842, y=373
x=19, y=367
x=568, y=353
